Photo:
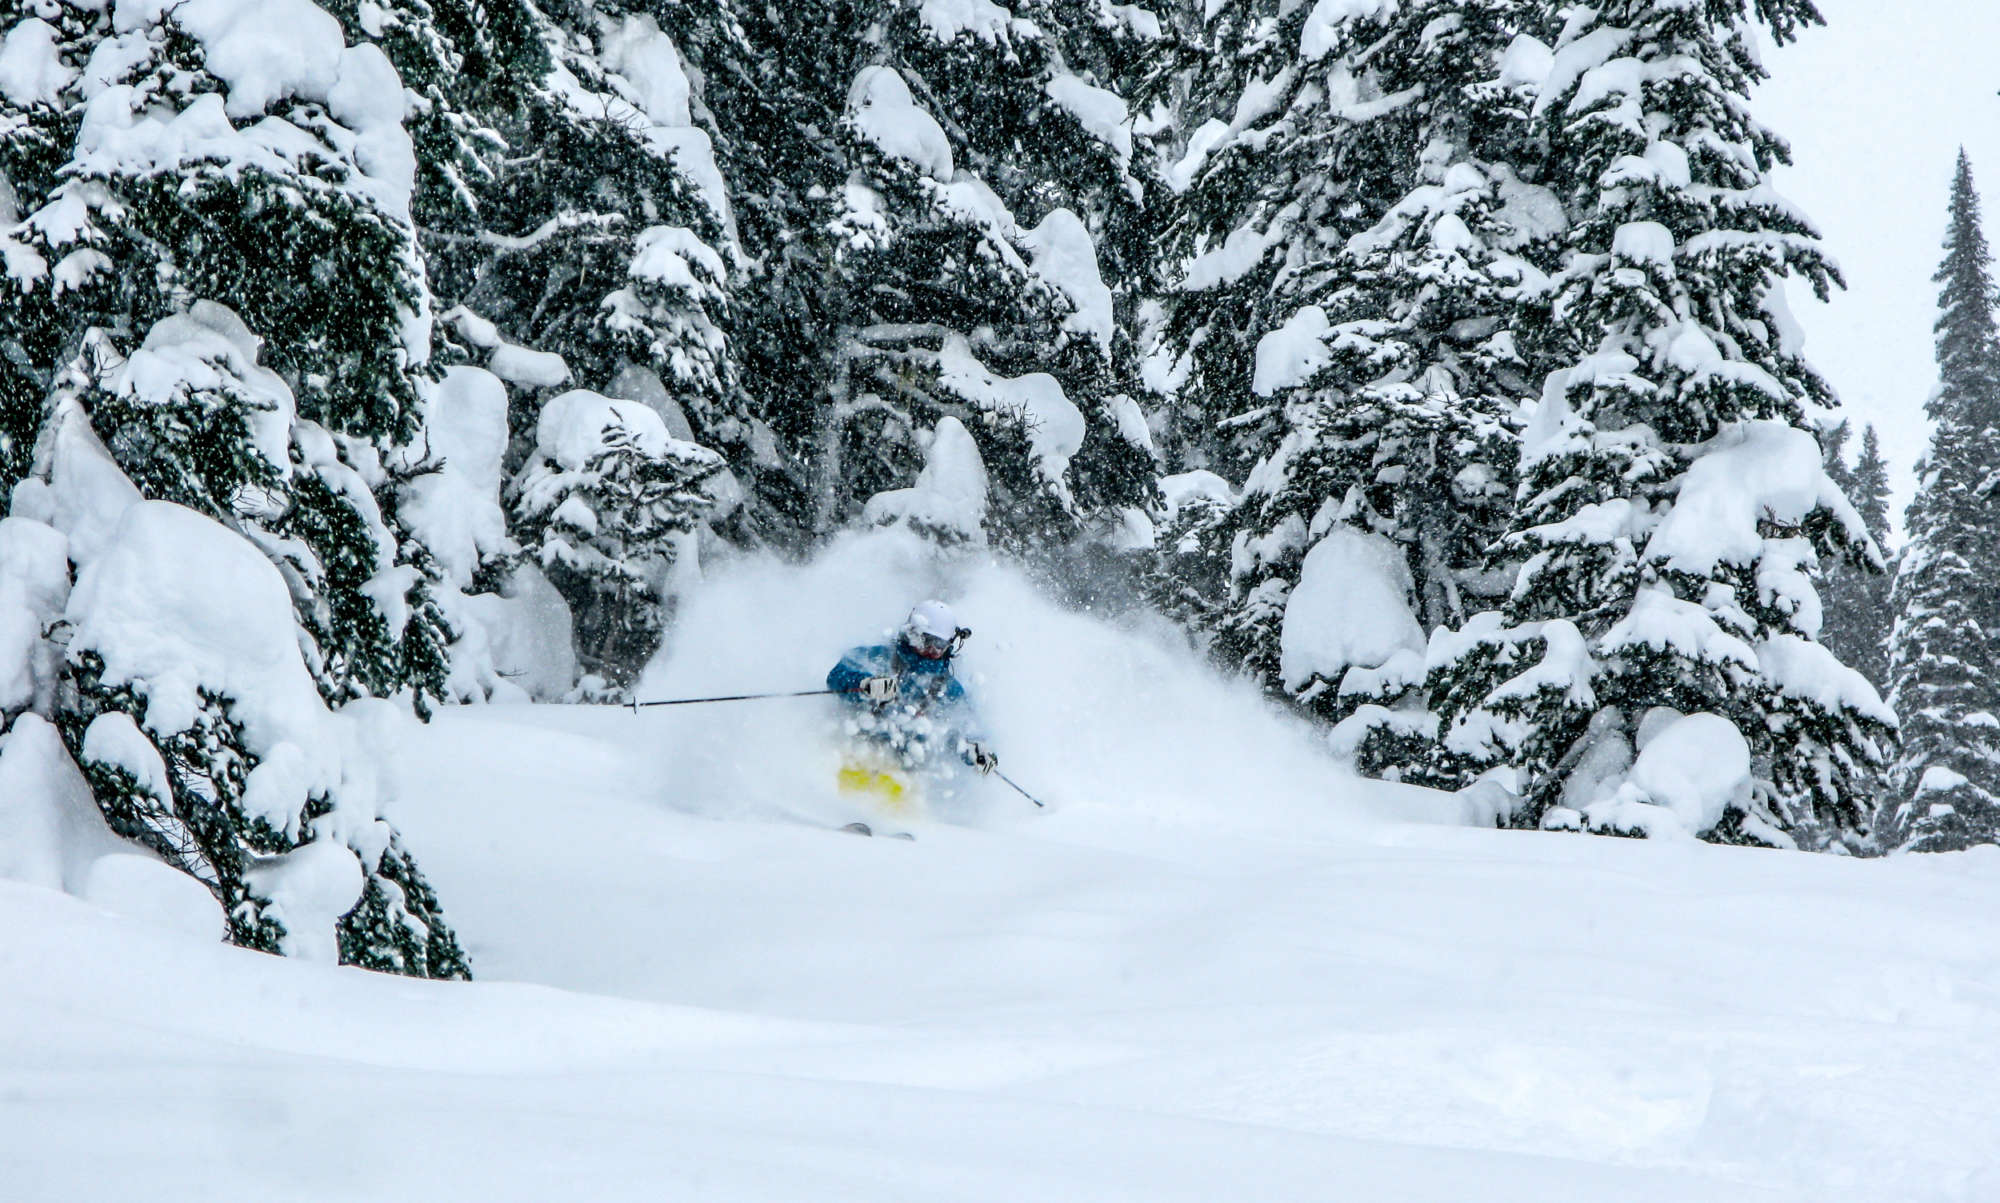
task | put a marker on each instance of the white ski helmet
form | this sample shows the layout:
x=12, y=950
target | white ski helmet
x=932, y=630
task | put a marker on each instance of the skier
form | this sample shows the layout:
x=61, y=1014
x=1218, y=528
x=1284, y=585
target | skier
x=905, y=698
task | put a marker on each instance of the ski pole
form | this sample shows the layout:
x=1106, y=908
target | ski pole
x=1017, y=789
x=738, y=697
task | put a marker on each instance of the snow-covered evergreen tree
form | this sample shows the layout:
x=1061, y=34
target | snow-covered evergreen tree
x=603, y=507
x=574, y=217
x=38, y=118
x=450, y=54
x=204, y=739
x=1242, y=163
x=576, y=221
x=1673, y=499
x=929, y=263
x=1833, y=446
x=947, y=504
x=166, y=651
x=1379, y=400
x=1187, y=578
x=193, y=417
x=191, y=168
x=911, y=262
x=1039, y=100
x=194, y=175
x=601, y=232
x=1036, y=92
x=1857, y=596
x=1943, y=647
x=1870, y=490
x=220, y=297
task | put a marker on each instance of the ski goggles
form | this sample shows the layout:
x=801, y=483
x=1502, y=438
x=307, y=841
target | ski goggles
x=934, y=647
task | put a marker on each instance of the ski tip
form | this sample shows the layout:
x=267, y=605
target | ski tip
x=865, y=829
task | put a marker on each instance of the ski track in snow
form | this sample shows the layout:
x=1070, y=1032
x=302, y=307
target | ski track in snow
x=1216, y=968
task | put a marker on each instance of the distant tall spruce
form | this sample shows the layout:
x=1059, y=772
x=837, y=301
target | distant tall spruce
x=1944, y=651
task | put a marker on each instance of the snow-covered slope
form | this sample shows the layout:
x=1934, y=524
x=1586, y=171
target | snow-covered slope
x=1215, y=968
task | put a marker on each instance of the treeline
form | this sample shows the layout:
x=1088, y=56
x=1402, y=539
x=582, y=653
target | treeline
x=1428, y=361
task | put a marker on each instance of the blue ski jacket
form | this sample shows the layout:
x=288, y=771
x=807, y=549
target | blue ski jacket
x=930, y=713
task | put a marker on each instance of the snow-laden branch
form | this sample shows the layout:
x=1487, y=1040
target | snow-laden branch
x=534, y=238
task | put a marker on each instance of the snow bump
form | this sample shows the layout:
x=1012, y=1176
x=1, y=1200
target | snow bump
x=882, y=109
x=1350, y=608
x=1056, y=426
x=1293, y=353
x=31, y=72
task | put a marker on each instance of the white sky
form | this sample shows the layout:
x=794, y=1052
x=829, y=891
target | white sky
x=1876, y=105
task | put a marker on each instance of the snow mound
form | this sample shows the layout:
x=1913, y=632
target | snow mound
x=34, y=586
x=179, y=608
x=263, y=49
x=526, y=367
x=114, y=740
x=882, y=109
x=1760, y=471
x=53, y=835
x=50, y=828
x=647, y=58
x=309, y=889
x=141, y=888
x=1242, y=250
x=1685, y=778
x=1134, y=19
x=1322, y=25
x=1290, y=355
x=947, y=20
x=667, y=255
x=1643, y=243
x=210, y=349
x=1056, y=426
x=1660, y=621
x=1200, y=485
x=1102, y=113
x=649, y=74
x=948, y=502
x=1804, y=668
x=573, y=427
x=264, y=52
x=1065, y=256
x=90, y=492
x=526, y=630
x=1527, y=62
x=455, y=507
x=177, y=603
x=1351, y=608
x=31, y=72
x=1209, y=137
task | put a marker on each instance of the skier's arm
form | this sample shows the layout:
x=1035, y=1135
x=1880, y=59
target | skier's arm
x=855, y=668
x=847, y=676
